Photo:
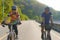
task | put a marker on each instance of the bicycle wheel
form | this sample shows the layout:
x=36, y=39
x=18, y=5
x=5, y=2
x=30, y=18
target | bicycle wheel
x=11, y=37
x=48, y=37
x=44, y=36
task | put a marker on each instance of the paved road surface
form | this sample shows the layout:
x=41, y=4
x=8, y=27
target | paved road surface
x=28, y=30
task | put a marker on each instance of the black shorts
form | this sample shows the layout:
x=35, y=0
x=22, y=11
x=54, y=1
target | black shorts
x=47, y=27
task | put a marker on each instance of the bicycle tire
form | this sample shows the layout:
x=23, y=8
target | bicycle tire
x=10, y=37
x=13, y=37
x=49, y=38
x=44, y=35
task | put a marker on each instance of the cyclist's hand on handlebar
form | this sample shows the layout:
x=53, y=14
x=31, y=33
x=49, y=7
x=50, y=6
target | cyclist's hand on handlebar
x=3, y=24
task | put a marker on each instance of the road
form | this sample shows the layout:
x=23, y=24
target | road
x=28, y=30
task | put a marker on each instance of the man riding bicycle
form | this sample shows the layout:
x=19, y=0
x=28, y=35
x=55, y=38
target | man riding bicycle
x=14, y=16
x=46, y=18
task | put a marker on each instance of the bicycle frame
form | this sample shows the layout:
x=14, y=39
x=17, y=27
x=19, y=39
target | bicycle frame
x=11, y=34
x=45, y=35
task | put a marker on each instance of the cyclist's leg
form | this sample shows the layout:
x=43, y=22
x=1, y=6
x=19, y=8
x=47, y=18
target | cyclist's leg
x=48, y=31
x=16, y=30
x=48, y=34
x=42, y=31
x=9, y=27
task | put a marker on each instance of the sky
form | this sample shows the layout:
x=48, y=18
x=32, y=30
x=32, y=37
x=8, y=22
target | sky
x=55, y=4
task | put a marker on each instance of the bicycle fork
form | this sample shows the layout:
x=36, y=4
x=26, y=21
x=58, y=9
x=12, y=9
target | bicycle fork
x=12, y=34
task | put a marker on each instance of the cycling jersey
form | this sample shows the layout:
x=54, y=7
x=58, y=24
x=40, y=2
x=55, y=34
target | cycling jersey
x=46, y=17
x=14, y=16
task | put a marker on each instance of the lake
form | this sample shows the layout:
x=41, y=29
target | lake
x=56, y=22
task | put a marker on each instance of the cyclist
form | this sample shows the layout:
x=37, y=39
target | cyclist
x=14, y=18
x=46, y=18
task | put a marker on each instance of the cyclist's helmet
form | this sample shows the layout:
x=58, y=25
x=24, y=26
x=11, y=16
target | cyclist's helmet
x=13, y=7
x=47, y=8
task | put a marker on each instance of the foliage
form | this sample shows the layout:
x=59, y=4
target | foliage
x=32, y=8
x=28, y=9
x=5, y=8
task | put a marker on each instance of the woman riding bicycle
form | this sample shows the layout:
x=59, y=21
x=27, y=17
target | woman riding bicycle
x=14, y=19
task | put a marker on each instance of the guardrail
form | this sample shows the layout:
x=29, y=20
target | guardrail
x=56, y=26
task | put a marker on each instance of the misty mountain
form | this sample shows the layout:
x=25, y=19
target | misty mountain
x=33, y=9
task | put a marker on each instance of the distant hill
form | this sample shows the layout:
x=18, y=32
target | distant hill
x=33, y=9
x=28, y=9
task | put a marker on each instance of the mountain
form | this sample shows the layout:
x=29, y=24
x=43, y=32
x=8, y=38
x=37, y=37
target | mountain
x=28, y=9
x=33, y=9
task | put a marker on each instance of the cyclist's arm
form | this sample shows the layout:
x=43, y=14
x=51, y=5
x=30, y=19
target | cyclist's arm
x=19, y=19
x=18, y=16
x=51, y=19
x=42, y=21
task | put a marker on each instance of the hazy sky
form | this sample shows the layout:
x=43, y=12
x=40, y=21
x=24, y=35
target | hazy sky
x=55, y=4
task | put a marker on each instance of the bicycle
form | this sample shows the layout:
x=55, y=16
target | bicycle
x=45, y=35
x=11, y=35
